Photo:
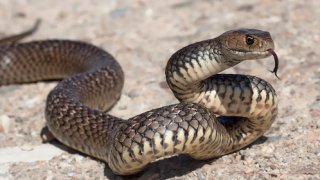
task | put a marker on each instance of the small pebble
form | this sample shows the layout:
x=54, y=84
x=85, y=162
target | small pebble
x=32, y=102
x=123, y=107
x=164, y=85
x=249, y=160
x=78, y=158
x=248, y=170
x=148, y=12
x=238, y=157
x=6, y=124
x=133, y=93
x=201, y=175
x=267, y=150
x=27, y=147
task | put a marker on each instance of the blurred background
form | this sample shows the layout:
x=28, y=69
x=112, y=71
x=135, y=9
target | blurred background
x=142, y=35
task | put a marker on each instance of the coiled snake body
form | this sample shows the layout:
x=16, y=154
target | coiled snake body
x=94, y=80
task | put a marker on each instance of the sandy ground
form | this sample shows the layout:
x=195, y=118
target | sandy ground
x=142, y=35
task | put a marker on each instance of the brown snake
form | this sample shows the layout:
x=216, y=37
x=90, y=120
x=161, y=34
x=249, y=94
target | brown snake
x=247, y=105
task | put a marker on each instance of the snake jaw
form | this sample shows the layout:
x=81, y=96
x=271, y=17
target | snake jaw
x=243, y=55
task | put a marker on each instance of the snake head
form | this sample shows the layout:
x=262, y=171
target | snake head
x=246, y=44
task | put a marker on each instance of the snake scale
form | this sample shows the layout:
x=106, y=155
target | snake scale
x=245, y=106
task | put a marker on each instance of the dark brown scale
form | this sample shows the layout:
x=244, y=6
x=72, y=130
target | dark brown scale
x=161, y=130
x=184, y=125
x=149, y=134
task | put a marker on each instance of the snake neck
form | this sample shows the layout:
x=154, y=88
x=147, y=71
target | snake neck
x=249, y=102
x=189, y=69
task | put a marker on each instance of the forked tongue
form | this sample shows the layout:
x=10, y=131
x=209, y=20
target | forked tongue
x=276, y=61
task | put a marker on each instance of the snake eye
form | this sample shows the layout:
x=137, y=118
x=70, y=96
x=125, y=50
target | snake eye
x=249, y=40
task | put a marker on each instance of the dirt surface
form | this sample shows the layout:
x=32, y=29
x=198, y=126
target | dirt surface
x=142, y=35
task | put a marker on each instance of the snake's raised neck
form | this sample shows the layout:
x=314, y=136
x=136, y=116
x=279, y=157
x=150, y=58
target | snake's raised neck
x=199, y=61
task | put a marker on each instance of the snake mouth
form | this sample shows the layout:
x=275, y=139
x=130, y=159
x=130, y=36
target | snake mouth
x=243, y=52
x=276, y=61
x=265, y=53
